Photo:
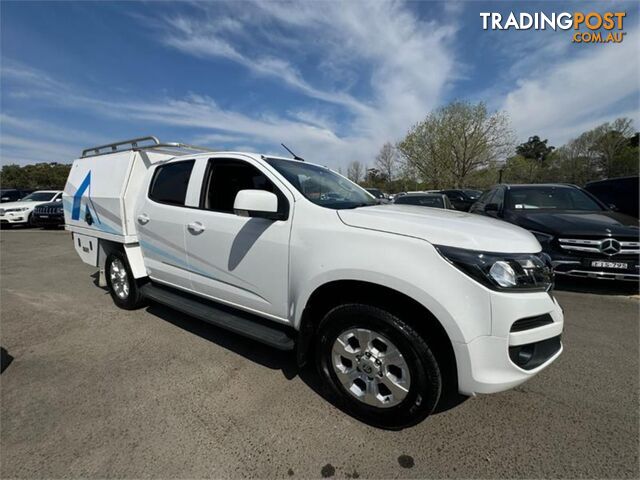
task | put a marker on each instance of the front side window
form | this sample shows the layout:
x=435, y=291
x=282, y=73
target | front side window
x=226, y=178
x=553, y=198
x=170, y=182
x=39, y=197
x=322, y=186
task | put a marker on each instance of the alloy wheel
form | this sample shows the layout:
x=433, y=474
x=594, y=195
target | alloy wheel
x=370, y=367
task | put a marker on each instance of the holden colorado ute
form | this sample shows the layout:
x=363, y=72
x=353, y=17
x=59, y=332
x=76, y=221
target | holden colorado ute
x=395, y=304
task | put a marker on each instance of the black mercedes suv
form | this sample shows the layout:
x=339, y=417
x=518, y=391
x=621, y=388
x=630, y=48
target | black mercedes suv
x=583, y=236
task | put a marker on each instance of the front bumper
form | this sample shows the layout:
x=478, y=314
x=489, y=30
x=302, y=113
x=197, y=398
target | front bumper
x=47, y=219
x=511, y=355
x=14, y=217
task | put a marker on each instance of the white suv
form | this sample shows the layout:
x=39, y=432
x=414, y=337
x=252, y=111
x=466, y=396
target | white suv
x=19, y=212
x=395, y=304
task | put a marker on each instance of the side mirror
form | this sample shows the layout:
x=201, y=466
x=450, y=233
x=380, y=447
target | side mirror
x=256, y=203
x=491, y=207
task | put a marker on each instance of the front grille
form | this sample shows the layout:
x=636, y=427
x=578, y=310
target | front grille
x=48, y=210
x=605, y=246
x=531, y=322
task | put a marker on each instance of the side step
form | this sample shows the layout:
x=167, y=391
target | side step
x=221, y=316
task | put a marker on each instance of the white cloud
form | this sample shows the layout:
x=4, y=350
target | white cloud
x=369, y=71
x=577, y=93
x=408, y=63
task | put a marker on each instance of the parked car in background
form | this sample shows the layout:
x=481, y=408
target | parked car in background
x=462, y=199
x=378, y=194
x=13, y=194
x=48, y=215
x=20, y=212
x=620, y=194
x=433, y=200
x=582, y=235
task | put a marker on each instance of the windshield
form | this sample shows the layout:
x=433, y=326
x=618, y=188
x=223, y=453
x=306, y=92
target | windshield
x=322, y=186
x=556, y=198
x=473, y=194
x=434, y=201
x=39, y=197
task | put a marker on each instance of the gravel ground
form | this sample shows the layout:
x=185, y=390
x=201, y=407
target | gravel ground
x=94, y=391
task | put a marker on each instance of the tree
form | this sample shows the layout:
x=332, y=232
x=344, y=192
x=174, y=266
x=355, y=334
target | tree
x=40, y=175
x=535, y=149
x=387, y=161
x=355, y=171
x=609, y=144
x=455, y=140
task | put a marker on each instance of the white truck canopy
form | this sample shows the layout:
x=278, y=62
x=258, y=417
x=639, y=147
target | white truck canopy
x=100, y=195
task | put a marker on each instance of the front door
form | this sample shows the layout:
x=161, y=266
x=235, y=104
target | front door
x=160, y=223
x=239, y=260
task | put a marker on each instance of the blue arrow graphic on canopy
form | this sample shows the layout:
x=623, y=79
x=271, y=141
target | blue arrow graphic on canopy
x=77, y=197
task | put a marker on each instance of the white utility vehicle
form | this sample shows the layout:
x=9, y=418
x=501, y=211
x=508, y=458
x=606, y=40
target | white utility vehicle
x=396, y=304
x=19, y=212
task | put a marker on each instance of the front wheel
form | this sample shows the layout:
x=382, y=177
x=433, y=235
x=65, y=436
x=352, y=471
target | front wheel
x=376, y=367
x=122, y=285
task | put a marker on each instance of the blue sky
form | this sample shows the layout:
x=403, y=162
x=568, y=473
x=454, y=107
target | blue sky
x=333, y=80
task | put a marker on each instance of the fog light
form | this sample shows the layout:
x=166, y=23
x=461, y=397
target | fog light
x=522, y=355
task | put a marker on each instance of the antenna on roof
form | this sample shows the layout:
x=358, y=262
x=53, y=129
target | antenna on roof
x=295, y=157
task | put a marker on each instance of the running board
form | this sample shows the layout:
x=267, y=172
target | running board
x=221, y=316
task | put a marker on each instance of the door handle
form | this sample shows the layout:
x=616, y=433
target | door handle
x=143, y=219
x=196, y=227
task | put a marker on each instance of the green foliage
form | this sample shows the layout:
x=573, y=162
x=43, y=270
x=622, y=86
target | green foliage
x=609, y=150
x=534, y=149
x=38, y=176
x=454, y=141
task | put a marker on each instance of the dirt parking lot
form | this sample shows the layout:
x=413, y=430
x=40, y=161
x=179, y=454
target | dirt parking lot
x=94, y=391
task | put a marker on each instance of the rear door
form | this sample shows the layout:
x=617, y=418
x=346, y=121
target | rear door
x=239, y=260
x=160, y=223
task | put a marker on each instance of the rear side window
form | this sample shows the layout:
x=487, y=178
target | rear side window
x=170, y=182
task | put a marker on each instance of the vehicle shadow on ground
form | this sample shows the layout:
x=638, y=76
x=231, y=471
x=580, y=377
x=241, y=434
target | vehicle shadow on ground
x=596, y=287
x=267, y=356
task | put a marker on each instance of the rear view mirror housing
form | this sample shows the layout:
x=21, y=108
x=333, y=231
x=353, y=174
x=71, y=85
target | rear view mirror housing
x=257, y=204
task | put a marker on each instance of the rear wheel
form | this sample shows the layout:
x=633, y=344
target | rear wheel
x=122, y=285
x=377, y=367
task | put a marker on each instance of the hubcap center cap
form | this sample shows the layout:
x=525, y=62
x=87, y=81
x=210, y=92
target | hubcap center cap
x=370, y=365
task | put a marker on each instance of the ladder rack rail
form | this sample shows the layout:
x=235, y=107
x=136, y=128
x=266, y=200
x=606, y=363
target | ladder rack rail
x=140, y=143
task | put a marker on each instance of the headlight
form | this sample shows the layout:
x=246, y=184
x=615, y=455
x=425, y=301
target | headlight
x=21, y=209
x=543, y=238
x=503, y=271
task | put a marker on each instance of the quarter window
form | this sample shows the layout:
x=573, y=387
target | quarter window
x=170, y=182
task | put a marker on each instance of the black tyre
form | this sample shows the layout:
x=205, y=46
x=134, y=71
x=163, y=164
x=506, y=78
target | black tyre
x=123, y=287
x=376, y=367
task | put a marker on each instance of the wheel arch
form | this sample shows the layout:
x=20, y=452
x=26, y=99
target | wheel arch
x=338, y=292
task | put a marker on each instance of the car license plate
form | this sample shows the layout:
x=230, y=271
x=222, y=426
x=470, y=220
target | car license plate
x=603, y=264
x=44, y=216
